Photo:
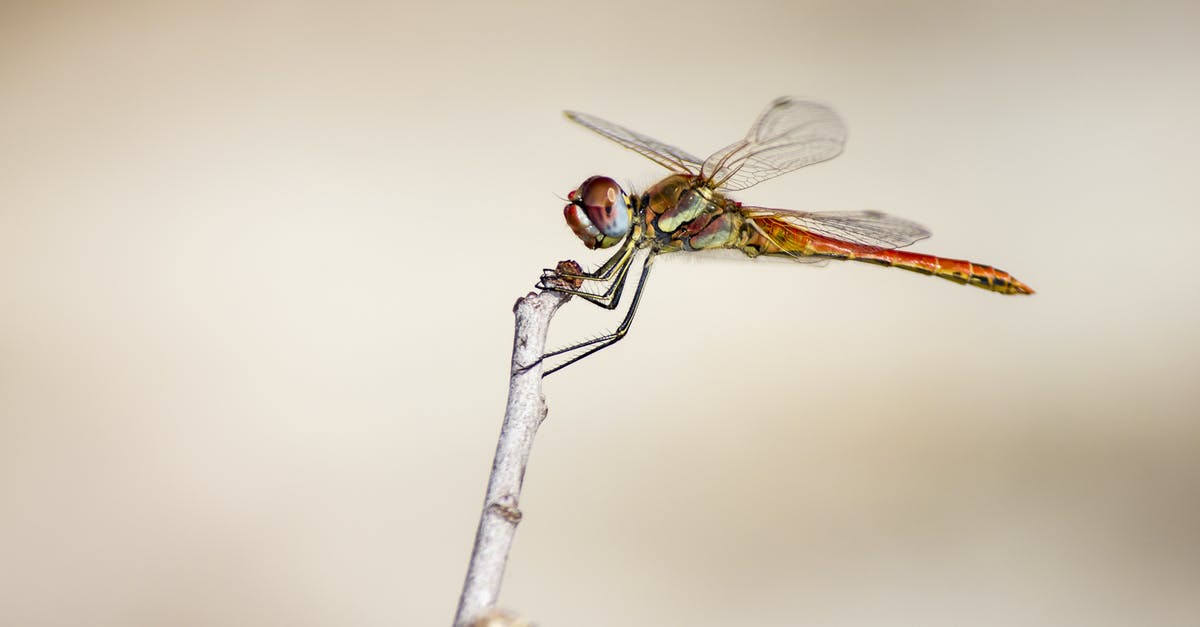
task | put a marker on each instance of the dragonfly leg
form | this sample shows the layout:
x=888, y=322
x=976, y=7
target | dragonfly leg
x=611, y=296
x=618, y=263
x=604, y=341
x=600, y=274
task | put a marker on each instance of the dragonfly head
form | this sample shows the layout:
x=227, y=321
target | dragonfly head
x=599, y=212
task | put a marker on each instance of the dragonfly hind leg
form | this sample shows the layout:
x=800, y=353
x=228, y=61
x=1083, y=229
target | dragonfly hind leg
x=604, y=341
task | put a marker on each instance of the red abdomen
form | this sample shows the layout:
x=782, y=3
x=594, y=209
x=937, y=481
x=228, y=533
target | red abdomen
x=780, y=238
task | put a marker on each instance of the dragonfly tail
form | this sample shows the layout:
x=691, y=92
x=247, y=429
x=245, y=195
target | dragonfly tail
x=957, y=270
x=774, y=238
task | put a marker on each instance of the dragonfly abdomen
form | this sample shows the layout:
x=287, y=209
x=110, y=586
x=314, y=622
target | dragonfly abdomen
x=957, y=270
x=773, y=237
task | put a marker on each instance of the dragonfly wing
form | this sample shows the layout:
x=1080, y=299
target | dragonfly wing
x=788, y=135
x=865, y=228
x=667, y=156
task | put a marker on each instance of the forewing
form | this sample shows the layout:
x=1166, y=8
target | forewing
x=789, y=134
x=665, y=155
x=866, y=228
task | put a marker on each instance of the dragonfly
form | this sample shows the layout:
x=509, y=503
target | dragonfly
x=689, y=211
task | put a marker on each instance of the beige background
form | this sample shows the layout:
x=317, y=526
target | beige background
x=257, y=262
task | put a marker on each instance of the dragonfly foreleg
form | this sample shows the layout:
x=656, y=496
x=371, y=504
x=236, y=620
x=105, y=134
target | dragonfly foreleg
x=611, y=296
x=620, y=258
x=618, y=263
x=604, y=341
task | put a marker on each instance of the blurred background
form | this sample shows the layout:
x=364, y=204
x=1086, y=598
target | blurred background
x=257, y=264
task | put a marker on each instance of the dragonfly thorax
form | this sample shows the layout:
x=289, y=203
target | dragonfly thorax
x=599, y=213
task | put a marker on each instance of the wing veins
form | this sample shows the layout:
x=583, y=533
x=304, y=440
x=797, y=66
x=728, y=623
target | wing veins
x=666, y=155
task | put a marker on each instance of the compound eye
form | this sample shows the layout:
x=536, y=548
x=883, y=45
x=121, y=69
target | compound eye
x=598, y=213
